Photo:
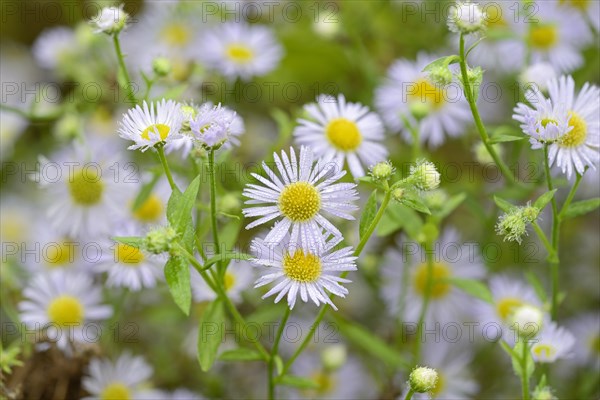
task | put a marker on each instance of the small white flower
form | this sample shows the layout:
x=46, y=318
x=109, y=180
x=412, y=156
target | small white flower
x=151, y=124
x=538, y=75
x=342, y=132
x=552, y=343
x=53, y=46
x=64, y=302
x=466, y=17
x=110, y=20
x=298, y=197
x=211, y=125
x=237, y=49
x=123, y=379
x=303, y=270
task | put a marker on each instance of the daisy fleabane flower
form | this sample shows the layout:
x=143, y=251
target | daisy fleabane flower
x=568, y=122
x=552, y=343
x=63, y=302
x=303, y=270
x=298, y=196
x=237, y=49
x=211, y=125
x=148, y=125
x=123, y=379
x=110, y=20
x=343, y=132
x=466, y=17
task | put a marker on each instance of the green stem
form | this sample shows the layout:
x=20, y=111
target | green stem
x=425, y=305
x=570, y=197
x=32, y=117
x=409, y=394
x=478, y=122
x=123, y=67
x=213, y=206
x=165, y=165
x=554, y=258
x=324, y=309
x=524, y=377
x=543, y=238
x=274, y=352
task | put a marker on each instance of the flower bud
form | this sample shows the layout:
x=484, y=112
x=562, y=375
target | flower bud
x=425, y=175
x=423, y=379
x=441, y=75
x=333, y=357
x=382, y=171
x=110, y=20
x=513, y=225
x=544, y=393
x=398, y=194
x=159, y=240
x=161, y=66
x=527, y=320
x=67, y=127
x=466, y=17
x=419, y=109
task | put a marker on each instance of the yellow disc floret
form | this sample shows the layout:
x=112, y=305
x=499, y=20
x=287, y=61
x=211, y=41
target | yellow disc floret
x=343, y=134
x=85, y=189
x=576, y=136
x=176, y=35
x=115, y=391
x=439, y=287
x=299, y=201
x=301, y=266
x=162, y=130
x=506, y=306
x=228, y=280
x=66, y=310
x=543, y=37
x=150, y=210
x=543, y=350
x=126, y=254
x=239, y=53
x=59, y=254
x=423, y=91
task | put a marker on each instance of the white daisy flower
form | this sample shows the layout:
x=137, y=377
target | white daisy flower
x=298, y=197
x=85, y=189
x=211, y=125
x=451, y=362
x=123, y=379
x=508, y=294
x=148, y=125
x=152, y=211
x=303, y=270
x=236, y=49
x=567, y=121
x=452, y=259
x=128, y=266
x=238, y=278
x=342, y=132
x=408, y=91
x=63, y=302
x=589, y=9
x=586, y=329
x=558, y=37
x=53, y=46
x=552, y=343
x=539, y=75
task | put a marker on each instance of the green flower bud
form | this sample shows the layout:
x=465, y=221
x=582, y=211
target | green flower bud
x=527, y=320
x=419, y=109
x=512, y=226
x=544, y=393
x=398, y=194
x=382, y=171
x=423, y=379
x=441, y=76
x=68, y=127
x=333, y=357
x=161, y=66
x=425, y=175
x=159, y=240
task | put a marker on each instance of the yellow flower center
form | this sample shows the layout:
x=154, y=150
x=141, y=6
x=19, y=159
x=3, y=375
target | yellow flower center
x=343, y=134
x=59, y=254
x=423, y=91
x=13, y=228
x=161, y=129
x=547, y=121
x=229, y=281
x=66, y=310
x=150, y=210
x=176, y=35
x=86, y=189
x=325, y=382
x=506, y=306
x=239, y=53
x=543, y=350
x=543, y=37
x=576, y=136
x=126, y=254
x=299, y=201
x=115, y=391
x=302, y=267
x=579, y=4
x=439, y=287
x=439, y=386
x=494, y=19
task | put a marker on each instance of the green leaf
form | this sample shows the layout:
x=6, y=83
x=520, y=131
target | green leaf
x=133, y=241
x=503, y=204
x=371, y=343
x=182, y=215
x=441, y=62
x=298, y=382
x=582, y=207
x=505, y=138
x=544, y=199
x=398, y=216
x=366, y=179
x=516, y=360
x=278, y=364
x=416, y=203
x=145, y=192
x=210, y=334
x=173, y=205
x=452, y=203
x=473, y=288
x=241, y=354
x=177, y=273
x=368, y=214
